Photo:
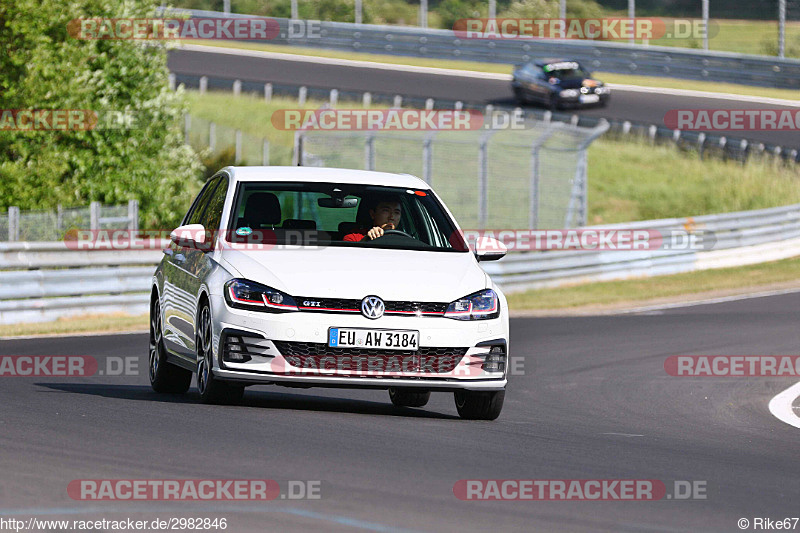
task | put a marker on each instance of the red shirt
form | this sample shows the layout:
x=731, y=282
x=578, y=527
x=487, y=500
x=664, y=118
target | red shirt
x=358, y=236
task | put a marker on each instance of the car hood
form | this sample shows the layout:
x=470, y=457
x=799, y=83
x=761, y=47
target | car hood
x=347, y=272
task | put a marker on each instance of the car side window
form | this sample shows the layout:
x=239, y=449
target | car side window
x=195, y=216
x=213, y=215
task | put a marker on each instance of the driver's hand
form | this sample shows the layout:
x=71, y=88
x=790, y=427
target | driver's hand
x=377, y=231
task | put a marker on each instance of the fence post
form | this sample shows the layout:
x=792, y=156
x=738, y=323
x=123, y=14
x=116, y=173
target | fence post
x=398, y=101
x=358, y=12
x=301, y=96
x=781, y=28
x=483, y=180
x=133, y=215
x=366, y=100
x=212, y=136
x=334, y=99
x=237, y=87
x=94, y=216
x=369, y=152
x=203, y=84
x=13, y=223
x=238, y=147
x=423, y=13
x=171, y=78
x=429, y=104
x=297, y=155
x=427, y=158
x=267, y=92
x=187, y=127
x=265, y=153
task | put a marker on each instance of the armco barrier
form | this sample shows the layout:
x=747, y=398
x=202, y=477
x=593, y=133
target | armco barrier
x=42, y=281
x=762, y=71
x=45, y=280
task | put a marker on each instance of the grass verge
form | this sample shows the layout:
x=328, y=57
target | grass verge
x=609, y=77
x=636, y=292
x=78, y=324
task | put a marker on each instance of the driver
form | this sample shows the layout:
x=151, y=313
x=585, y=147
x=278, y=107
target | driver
x=385, y=216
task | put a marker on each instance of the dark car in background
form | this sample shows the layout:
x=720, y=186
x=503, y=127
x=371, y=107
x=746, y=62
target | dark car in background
x=557, y=83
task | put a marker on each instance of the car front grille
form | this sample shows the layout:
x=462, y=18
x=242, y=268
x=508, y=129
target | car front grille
x=342, y=305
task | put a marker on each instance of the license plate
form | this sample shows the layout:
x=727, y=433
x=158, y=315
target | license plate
x=589, y=98
x=379, y=339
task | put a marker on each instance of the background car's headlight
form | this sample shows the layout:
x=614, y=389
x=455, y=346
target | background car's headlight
x=478, y=306
x=244, y=294
x=602, y=90
x=568, y=93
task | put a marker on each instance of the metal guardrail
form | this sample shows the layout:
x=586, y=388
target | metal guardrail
x=46, y=280
x=43, y=281
x=646, y=60
x=740, y=238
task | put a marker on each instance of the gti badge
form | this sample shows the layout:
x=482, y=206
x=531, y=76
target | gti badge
x=372, y=307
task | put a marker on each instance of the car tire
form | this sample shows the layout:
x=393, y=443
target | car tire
x=519, y=96
x=211, y=389
x=408, y=397
x=479, y=405
x=164, y=376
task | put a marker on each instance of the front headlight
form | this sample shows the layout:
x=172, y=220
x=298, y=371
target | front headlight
x=568, y=93
x=602, y=90
x=243, y=294
x=481, y=305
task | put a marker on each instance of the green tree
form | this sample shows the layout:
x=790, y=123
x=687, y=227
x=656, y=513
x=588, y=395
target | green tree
x=44, y=67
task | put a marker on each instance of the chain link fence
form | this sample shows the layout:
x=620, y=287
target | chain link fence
x=19, y=225
x=490, y=179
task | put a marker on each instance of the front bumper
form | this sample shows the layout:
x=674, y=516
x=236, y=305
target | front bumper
x=459, y=347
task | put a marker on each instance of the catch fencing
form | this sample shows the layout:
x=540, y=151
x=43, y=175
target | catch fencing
x=524, y=178
x=51, y=225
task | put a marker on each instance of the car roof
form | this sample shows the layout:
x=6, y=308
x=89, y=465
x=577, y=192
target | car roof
x=548, y=61
x=323, y=175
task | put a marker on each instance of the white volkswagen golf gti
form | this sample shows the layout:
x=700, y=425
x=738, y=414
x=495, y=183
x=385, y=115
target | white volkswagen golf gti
x=322, y=277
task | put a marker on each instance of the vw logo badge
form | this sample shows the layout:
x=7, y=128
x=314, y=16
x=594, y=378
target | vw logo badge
x=372, y=307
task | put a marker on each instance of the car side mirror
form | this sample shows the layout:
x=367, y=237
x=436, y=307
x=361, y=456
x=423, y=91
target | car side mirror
x=189, y=236
x=489, y=249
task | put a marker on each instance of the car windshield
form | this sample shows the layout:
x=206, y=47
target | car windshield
x=335, y=214
x=567, y=70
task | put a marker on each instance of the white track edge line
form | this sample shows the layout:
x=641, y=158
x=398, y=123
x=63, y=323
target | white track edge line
x=781, y=406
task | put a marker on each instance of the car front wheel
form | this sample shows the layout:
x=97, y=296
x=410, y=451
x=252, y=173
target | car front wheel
x=479, y=405
x=164, y=377
x=211, y=389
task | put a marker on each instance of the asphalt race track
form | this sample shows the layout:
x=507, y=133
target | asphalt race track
x=624, y=104
x=594, y=402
